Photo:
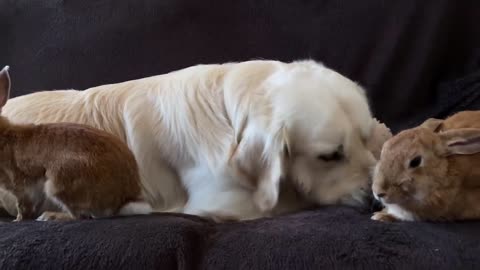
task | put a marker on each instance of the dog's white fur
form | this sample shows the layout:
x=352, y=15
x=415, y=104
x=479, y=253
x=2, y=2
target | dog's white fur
x=219, y=138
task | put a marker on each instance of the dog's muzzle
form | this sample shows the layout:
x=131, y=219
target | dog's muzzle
x=375, y=205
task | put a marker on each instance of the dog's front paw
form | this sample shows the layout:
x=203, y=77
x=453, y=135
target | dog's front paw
x=265, y=199
x=46, y=216
x=221, y=217
x=383, y=216
x=19, y=218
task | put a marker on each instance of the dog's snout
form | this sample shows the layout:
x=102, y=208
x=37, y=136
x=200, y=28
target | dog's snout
x=376, y=205
x=368, y=203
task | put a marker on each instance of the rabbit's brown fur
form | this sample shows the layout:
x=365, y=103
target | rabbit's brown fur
x=464, y=119
x=85, y=171
x=446, y=183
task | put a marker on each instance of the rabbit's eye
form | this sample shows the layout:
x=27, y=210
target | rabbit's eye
x=415, y=162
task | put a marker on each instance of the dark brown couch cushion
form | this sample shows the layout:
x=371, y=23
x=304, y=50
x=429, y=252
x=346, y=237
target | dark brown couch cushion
x=328, y=238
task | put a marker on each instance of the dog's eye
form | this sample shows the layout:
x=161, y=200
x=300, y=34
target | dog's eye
x=335, y=156
x=415, y=162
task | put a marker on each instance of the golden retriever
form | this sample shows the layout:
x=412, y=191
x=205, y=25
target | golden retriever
x=218, y=139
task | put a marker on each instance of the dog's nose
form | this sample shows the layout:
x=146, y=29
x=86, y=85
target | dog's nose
x=381, y=195
x=376, y=205
x=369, y=204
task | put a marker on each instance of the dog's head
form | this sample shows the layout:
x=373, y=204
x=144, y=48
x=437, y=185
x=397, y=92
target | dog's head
x=323, y=123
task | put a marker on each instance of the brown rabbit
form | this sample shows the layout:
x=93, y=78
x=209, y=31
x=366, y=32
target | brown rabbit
x=465, y=119
x=84, y=171
x=431, y=172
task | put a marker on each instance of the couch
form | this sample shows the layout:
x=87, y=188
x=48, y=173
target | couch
x=416, y=59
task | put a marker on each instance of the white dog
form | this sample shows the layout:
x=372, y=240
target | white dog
x=217, y=140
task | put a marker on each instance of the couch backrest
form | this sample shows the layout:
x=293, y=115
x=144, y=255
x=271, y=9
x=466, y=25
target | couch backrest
x=398, y=50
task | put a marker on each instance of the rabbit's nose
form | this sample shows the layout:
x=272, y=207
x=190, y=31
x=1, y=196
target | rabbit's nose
x=381, y=195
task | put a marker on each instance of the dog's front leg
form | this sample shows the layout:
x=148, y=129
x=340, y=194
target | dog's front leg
x=263, y=176
x=268, y=188
x=160, y=183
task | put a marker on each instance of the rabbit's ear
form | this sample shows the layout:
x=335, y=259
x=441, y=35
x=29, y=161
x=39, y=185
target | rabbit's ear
x=433, y=124
x=463, y=141
x=4, y=86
